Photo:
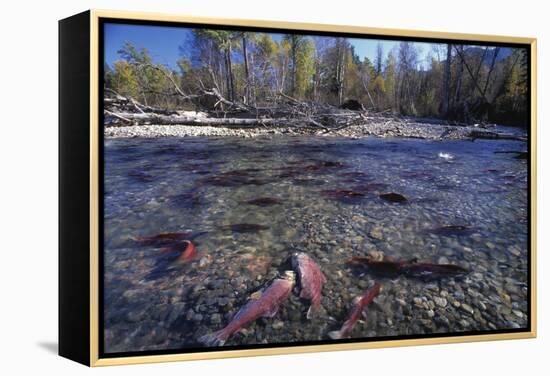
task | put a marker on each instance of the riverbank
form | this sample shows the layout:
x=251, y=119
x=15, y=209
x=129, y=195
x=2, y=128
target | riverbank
x=378, y=127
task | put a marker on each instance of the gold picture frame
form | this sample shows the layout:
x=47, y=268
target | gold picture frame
x=92, y=260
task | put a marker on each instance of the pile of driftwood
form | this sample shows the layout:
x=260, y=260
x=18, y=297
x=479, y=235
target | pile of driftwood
x=285, y=112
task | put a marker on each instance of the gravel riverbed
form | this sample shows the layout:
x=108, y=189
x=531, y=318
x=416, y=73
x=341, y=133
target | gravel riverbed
x=169, y=184
x=379, y=128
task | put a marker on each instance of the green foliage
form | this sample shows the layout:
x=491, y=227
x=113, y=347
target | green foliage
x=390, y=75
x=184, y=65
x=224, y=39
x=379, y=86
x=267, y=48
x=304, y=68
x=352, y=76
x=329, y=70
x=134, y=55
x=137, y=77
x=301, y=52
x=124, y=79
x=430, y=94
x=512, y=101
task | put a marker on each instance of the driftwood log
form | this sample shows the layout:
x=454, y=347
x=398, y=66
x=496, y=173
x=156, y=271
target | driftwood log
x=122, y=111
x=287, y=111
x=489, y=135
x=159, y=119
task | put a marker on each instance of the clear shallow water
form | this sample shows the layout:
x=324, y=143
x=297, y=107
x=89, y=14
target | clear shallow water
x=165, y=185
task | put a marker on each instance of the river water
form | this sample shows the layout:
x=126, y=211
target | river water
x=207, y=185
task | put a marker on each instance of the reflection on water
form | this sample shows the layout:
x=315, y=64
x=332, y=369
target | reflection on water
x=255, y=201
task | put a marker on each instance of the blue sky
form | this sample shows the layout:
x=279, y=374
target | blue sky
x=163, y=42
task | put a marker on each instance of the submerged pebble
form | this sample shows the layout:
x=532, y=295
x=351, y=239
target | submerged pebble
x=248, y=243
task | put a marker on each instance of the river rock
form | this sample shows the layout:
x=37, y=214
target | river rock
x=514, y=250
x=135, y=316
x=401, y=302
x=375, y=255
x=466, y=308
x=440, y=302
x=376, y=233
x=517, y=313
x=198, y=317
x=216, y=318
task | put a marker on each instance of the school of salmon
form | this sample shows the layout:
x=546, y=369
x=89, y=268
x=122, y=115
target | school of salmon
x=306, y=276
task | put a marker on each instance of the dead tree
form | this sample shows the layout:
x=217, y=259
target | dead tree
x=446, y=83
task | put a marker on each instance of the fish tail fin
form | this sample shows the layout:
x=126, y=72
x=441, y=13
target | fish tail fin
x=336, y=334
x=214, y=339
x=312, y=311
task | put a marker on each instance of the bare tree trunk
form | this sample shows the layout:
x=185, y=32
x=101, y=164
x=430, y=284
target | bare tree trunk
x=229, y=70
x=471, y=74
x=282, y=77
x=397, y=92
x=316, y=79
x=342, y=75
x=458, y=87
x=246, y=73
x=446, y=82
x=481, y=60
x=293, y=58
x=227, y=79
x=491, y=68
x=340, y=70
x=338, y=77
x=366, y=87
x=220, y=66
x=252, y=83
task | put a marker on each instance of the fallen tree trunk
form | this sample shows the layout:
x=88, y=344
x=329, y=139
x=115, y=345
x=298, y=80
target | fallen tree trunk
x=159, y=119
x=119, y=103
x=288, y=112
x=120, y=110
x=487, y=135
x=129, y=118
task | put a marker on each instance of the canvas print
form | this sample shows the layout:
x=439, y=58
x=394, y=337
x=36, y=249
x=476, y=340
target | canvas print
x=266, y=187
